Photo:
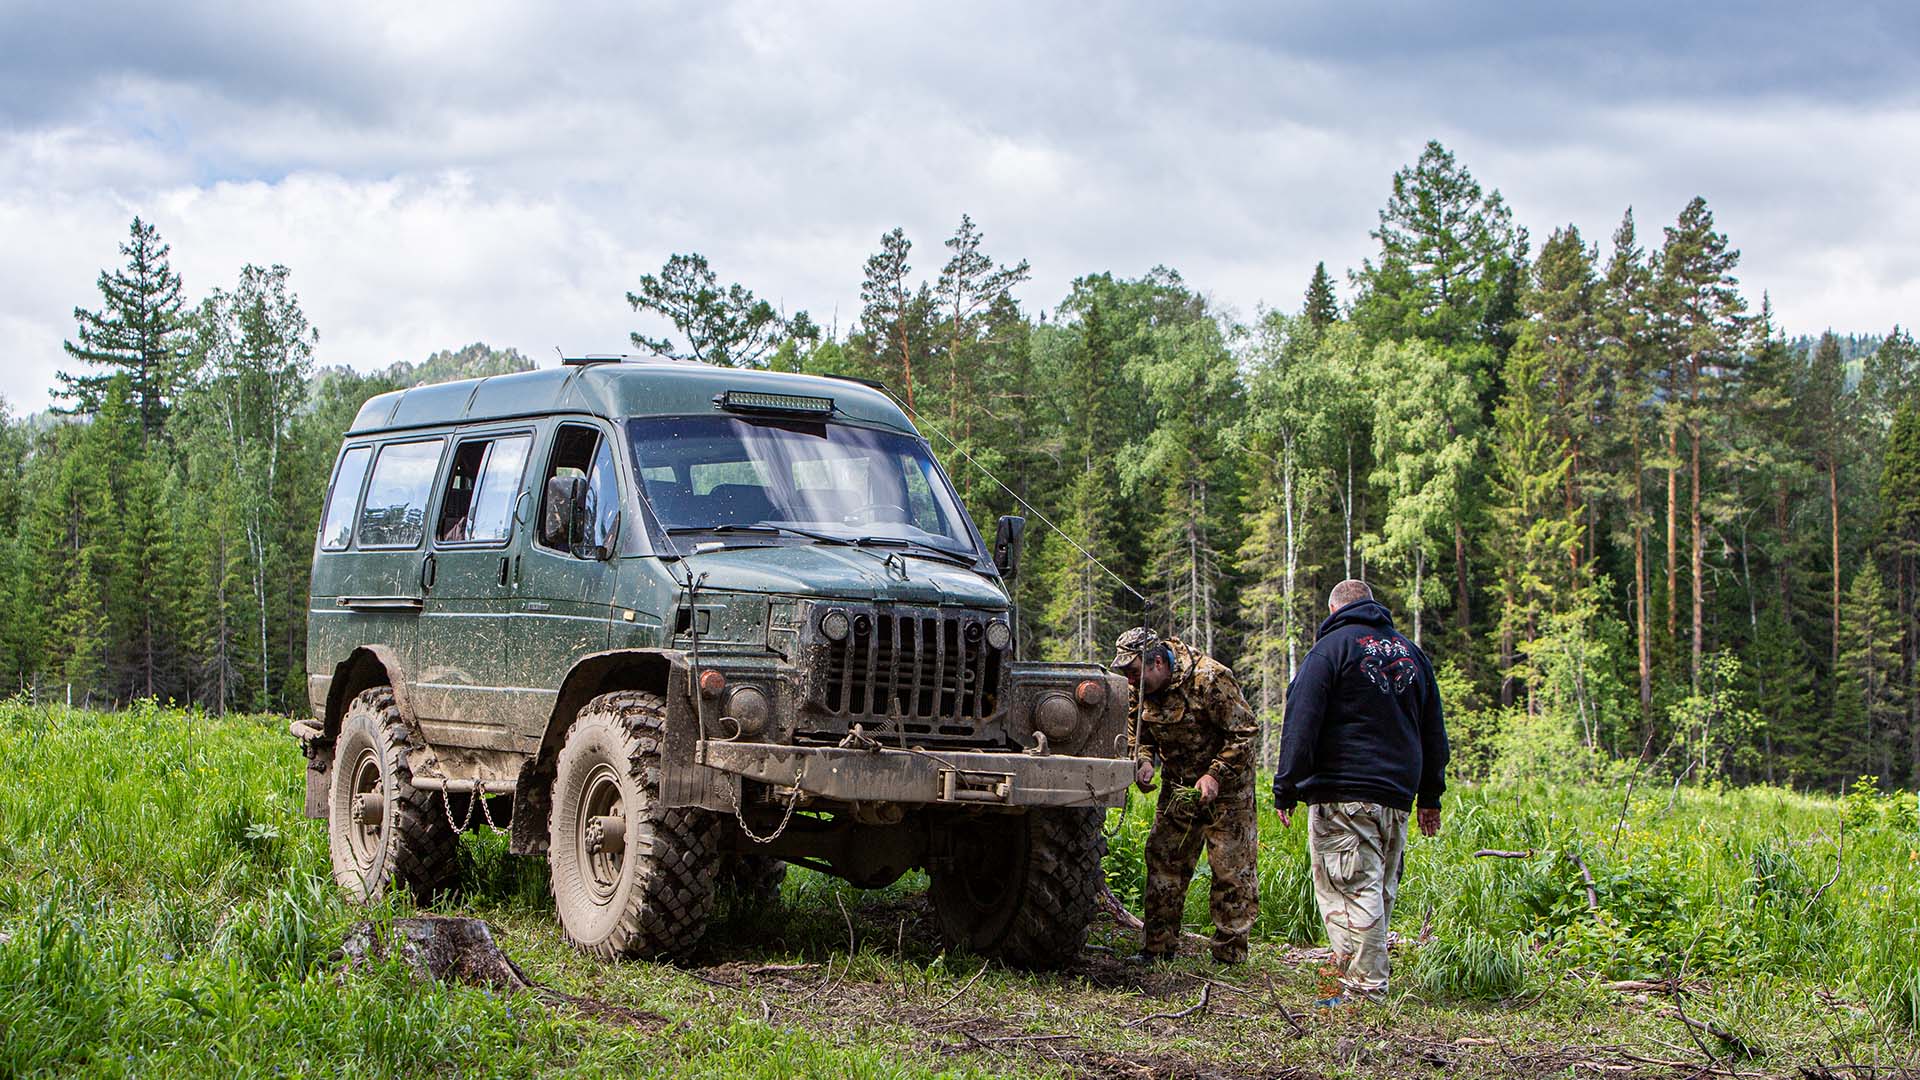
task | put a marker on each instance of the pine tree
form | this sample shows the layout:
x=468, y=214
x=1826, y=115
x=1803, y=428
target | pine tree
x=1626, y=349
x=1701, y=312
x=138, y=332
x=1083, y=610
x=1564, y=320
x=1535, y=528
x=1827, y=409
x=1426, y=440
x=1320, y=308
x=1900, y=524
x=888, y=312
x=1868, y=705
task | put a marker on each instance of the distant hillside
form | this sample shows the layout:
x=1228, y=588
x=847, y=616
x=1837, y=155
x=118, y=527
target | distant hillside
x=475, y=361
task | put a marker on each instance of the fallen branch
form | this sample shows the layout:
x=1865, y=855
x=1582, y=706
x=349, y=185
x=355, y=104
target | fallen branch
x=1839, y=852
x=963, y=989
x=1654, y=986
x=1495, y=853
x=1593, y=898
x=1117, y=911
x=1711, y=1028
x=1206, y=989
x=780, y=969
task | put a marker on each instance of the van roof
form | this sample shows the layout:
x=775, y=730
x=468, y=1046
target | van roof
x=612, y=390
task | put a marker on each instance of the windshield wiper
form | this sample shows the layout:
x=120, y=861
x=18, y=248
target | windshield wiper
x=930, y=551
x=682, y=530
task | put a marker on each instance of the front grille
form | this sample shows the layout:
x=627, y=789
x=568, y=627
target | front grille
x=922, y=672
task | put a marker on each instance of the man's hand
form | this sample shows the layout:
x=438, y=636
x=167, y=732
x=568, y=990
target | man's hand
x=1143, y=776
x=1429, y=820
x=1209, y=789
x=1285, y=816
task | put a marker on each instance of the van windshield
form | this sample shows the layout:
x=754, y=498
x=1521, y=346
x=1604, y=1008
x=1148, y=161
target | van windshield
x=853, y=483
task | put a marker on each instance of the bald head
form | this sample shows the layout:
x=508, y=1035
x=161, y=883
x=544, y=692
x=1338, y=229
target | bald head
x=1347, y=592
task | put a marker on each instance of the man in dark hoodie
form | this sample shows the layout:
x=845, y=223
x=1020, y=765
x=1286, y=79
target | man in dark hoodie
x=1363, y=742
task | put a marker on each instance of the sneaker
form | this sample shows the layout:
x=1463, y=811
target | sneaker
x=1230, y=954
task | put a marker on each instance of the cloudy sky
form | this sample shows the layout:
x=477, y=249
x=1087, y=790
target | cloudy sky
x=441, y=174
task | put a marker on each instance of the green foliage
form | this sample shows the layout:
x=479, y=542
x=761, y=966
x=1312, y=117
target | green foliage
x=727, y=326
x=1474, y=966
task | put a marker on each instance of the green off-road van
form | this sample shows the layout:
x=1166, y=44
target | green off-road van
x=677, y=626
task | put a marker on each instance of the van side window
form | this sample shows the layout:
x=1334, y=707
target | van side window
x=581, y=452
x=336, y=526
x=395, y=515
x=482, y=485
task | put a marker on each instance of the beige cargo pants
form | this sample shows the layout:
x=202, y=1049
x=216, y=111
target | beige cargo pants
x=1356, y=855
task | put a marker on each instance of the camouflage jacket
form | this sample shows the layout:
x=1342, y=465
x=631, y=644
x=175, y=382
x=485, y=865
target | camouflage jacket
x=1198, y=723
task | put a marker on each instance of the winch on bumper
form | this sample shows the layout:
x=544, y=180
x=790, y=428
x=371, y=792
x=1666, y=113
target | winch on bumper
x=885, y=774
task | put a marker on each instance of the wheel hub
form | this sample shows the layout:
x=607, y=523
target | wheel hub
x=369, y=809
x=602, y=833
x=607, y=835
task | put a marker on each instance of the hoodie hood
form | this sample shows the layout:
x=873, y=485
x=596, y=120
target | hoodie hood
x=1359, y=613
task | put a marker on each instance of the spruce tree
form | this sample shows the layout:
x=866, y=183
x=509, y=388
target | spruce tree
x=1320, y=308
x=138, y=332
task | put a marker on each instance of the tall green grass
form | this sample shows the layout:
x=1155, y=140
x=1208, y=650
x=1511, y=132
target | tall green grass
x=166, y=910
x=1703, y=882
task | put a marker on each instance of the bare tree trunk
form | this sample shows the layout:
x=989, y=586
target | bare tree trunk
x=1460, y=571
x=1673, y=534
x=1419, y=573
x=1833, y=509
x=1640, y=579
x=1347, y=507
x=1693, y=522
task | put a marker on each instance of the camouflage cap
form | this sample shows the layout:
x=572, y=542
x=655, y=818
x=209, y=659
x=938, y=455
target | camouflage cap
x=1131, y=644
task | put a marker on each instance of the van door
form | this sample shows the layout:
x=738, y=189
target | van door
x=469, y=590
x=382, y=580
x=565, y=594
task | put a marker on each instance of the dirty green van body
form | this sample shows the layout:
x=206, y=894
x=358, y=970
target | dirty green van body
x=761, y=587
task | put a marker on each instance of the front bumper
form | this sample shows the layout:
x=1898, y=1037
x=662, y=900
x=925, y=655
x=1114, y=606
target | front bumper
x=950, y=777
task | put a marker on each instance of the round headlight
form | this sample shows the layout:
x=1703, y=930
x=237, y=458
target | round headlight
x=999, y=635
x=1056, y=715
x=748, y=705
x=835, y=624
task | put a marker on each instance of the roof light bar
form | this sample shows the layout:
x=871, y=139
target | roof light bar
x=758, y=401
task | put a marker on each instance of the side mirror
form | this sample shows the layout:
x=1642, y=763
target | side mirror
x=566, y=500
x=1006, y=545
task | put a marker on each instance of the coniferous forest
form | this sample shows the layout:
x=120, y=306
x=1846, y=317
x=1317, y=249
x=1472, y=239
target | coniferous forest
x=1640, y=525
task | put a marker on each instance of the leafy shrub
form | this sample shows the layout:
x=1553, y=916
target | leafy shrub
x=1474, y=965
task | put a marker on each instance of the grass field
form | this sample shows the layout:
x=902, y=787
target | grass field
x=167, y=911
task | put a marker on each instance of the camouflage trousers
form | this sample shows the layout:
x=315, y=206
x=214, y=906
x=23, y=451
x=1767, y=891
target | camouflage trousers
x=1228, y=829
x=1357, y=849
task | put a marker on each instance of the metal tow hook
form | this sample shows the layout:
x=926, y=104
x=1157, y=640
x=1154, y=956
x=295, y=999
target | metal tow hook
x=607, y=835
x=368, y=809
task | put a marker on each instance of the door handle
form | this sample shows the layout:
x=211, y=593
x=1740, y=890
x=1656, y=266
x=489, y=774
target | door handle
x=427, y=571
x=503, y=569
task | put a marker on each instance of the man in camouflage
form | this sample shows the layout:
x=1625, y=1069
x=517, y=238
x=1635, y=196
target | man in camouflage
x=1363, y=742
x=1192, y=715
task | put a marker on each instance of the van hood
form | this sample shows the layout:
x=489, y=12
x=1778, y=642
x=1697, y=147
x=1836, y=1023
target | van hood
x=854, y=574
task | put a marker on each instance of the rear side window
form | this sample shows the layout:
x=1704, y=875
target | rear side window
x=395, y=515
x=481, y=490
x=336, y=528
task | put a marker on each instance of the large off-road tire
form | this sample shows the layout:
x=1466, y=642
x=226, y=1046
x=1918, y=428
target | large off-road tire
x=630, y=879
x=1021, y=888
x=383, y=831
x=751, y=883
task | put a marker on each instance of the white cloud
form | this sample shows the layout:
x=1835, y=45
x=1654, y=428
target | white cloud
x=441, y=175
